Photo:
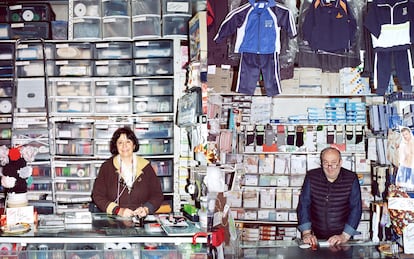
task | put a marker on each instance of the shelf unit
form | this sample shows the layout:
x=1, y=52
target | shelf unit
x=82, y=106
x=271, y=157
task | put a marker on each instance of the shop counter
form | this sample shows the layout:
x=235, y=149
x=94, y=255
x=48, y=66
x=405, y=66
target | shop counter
x=292, y=249
x=105, y=234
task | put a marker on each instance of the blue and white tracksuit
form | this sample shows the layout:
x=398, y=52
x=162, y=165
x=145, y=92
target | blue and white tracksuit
x=389, y=23
x=258, y=26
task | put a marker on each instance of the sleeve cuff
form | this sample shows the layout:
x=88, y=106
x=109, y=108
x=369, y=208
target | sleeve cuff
x=111, y=207
x=350, y=230
x=305, y=226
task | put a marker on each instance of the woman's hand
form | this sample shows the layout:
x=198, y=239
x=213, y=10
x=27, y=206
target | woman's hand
x=125, y=212
x=141, y=212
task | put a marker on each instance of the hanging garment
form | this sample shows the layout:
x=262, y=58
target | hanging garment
x=329, y=26
x=389, y=23
x=258, y=26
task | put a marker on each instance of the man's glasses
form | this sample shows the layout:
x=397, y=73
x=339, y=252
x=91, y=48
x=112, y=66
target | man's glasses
x=327, y=165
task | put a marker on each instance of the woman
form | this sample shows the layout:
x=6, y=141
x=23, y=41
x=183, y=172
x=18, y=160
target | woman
x=126, y=184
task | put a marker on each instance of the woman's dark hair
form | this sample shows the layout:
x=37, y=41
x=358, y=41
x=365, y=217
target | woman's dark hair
x=129, y=134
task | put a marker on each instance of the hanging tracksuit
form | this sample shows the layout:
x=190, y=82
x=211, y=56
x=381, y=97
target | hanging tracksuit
x=329, y=26
x=389, y=23
x=258, y=26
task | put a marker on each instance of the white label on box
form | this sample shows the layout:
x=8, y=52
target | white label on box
x=180, y=7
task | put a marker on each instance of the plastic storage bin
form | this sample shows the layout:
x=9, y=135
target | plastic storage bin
x=86, y=8
x=175, y=25
x=6, y=68
x=72, y=105
x=6, y=51
x=155, y=147
x=116, y=8
x=113, y=105
x=73, y=51
x=153, y=49
x=70, y=87
x=29, y=51
x=5, y=31
x=154, y=66
x=74, y=147
x=31, y=12
x=118, y=87
x=153, y=86
x=30, y=30
x=145, y=7
x=30, y=68
x=154, y=130
x=74, y=130
x=71, y=67
x=113, y=50
x=116, y=28
x=146, y=26
x=73, y=169
x=87, y=28
x=113, y=68
x=176, y=7
x=155, y=104
x=163, y=167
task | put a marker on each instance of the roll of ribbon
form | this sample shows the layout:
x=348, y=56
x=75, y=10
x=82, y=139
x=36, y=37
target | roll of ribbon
x=28, y=15
x=111, y=246
x=6, y=247
x=124, y=246
x=81, y=173
x=79, y=10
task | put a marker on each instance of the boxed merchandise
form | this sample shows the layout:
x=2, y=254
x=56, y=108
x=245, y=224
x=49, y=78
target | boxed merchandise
x=267, y=198
x=250, y=199
x=351, y=81
x=220, y=79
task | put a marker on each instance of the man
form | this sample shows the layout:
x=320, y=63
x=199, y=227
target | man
x=330, y=204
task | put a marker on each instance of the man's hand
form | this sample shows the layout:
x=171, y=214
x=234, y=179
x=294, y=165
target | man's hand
x=337, y=240
x=309, y=238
